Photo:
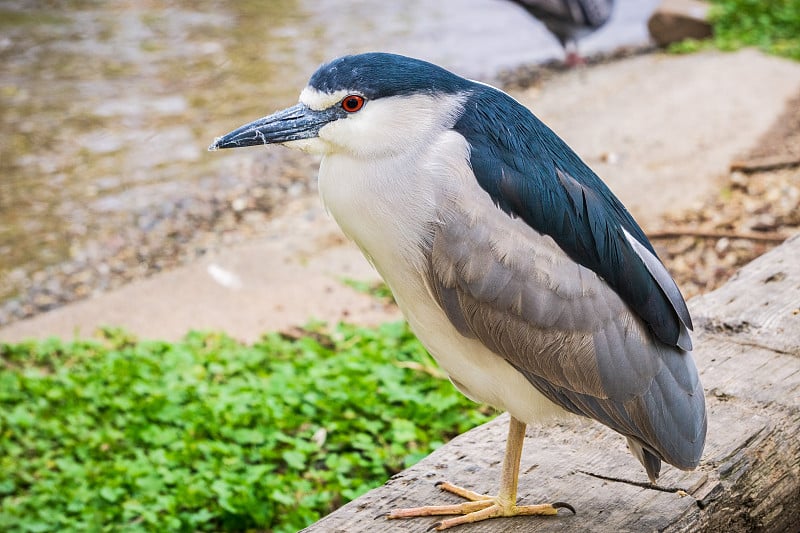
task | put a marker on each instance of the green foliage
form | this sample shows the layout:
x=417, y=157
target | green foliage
x=208, y=434
x=771, y=25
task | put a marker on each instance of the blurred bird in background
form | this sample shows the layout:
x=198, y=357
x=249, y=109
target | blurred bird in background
x=570, y=20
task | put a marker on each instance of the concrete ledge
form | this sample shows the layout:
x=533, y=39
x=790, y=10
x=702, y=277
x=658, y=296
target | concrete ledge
x=748, y=351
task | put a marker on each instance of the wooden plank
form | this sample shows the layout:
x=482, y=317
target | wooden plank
x=748, y=351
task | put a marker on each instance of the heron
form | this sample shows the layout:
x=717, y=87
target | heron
x=513, y=263
x=570, y=20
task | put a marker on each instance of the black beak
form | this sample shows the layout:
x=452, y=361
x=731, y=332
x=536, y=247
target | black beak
x=292, y=124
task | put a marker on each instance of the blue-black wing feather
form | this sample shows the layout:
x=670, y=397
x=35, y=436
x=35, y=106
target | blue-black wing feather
x=531, y=173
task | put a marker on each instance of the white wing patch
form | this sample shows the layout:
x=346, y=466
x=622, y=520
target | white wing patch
x=667, y=284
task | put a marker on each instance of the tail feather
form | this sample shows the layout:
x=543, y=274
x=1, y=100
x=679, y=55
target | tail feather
x=651, y=463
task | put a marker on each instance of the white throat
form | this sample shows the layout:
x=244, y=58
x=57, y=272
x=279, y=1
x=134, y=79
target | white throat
x=386, y=206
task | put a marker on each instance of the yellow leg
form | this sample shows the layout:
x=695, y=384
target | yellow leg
x=481, y=507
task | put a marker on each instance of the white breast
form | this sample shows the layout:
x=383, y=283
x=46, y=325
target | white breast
x=386, y=207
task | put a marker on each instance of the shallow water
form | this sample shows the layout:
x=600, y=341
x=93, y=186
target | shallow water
x=107, y=107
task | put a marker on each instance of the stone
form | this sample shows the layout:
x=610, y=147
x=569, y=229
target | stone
x=676, y=20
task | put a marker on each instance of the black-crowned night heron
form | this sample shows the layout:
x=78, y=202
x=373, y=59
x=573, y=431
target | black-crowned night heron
x=516, y=267
x=570, y=20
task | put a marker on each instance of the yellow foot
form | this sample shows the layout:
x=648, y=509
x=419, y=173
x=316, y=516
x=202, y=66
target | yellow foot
x=479, y=507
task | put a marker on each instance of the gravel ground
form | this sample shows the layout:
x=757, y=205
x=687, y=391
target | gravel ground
x=751, y=215
x=757, y=208
x=702, y=247
x=119, y=248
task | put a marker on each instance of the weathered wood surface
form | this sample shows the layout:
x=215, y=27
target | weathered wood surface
x=747, y=346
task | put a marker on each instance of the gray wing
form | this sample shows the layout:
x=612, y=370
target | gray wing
x=566, y=331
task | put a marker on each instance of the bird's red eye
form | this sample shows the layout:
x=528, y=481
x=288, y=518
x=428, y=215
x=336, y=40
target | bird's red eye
x=353, y=103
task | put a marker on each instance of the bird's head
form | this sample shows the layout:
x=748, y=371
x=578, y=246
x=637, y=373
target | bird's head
x=366, y=106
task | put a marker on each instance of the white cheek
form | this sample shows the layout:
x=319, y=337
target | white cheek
x=390, y=126
x=384, y=127
x=360, y=135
